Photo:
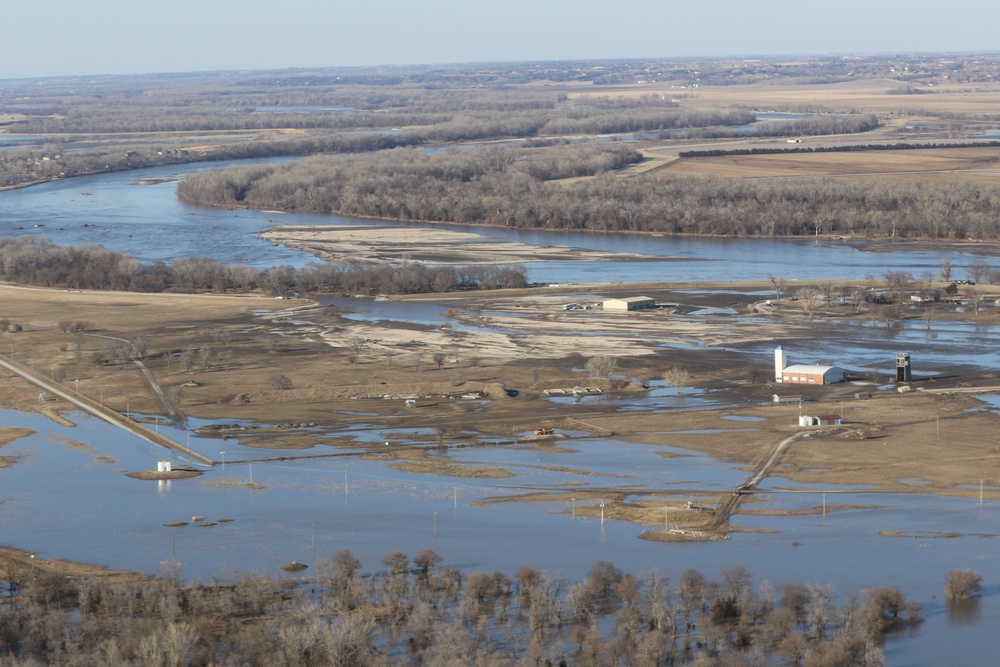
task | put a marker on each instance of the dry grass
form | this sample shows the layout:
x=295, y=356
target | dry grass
x=869, y=95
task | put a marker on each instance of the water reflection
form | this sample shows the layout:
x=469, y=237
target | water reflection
x=965, y=612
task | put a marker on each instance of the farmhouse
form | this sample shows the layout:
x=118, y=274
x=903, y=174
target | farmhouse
x=631, y=303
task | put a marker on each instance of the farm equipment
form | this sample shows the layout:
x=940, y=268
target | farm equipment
x=544, y=430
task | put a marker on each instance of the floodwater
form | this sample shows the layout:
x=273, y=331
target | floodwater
x=946, y=346
x=68, y=496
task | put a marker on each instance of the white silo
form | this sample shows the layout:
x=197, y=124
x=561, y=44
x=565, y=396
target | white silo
x=780, y=363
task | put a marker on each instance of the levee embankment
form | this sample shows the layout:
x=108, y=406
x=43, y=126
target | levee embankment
x=100, y=411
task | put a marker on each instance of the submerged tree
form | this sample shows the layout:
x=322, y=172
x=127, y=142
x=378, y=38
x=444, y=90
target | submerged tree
x=962, y=584
x=678, y=378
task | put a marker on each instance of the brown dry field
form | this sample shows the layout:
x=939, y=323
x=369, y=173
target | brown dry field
x=901, y=450
x=980, y=163
x=863, y=95
x=867, y=96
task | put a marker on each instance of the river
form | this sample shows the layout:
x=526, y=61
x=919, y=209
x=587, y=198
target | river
x=67, y=497
x=149, y=222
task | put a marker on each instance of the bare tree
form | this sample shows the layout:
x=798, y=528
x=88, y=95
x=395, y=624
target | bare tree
x=962, y=584
x=396, y=562
x=928, y=314
x=891, y=315
x=778, y=284
x=898, y=282
x=946, y=269
x=426, y=560
x=221, y=335
x=118, y=352
x=140, y=345
x=974, y=294
x=678, y=378
x=860, y=295
x=355, y=345
x=280, y=381
x=977, y=270
x=438, y=359
x=601, y=366
x=810, y=299
x=188, y=358
x=205, y=358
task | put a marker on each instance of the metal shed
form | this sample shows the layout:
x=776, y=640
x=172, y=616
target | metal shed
x=630, y=303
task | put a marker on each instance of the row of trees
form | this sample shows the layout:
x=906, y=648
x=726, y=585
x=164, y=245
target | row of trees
x=853, y=148
x=416, y=612
x=531, y=112
x=34, y=261
x=500, y=187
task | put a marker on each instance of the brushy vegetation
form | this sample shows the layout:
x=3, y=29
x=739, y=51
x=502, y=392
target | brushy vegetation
x=513, y=187
x=416, y=612
x=34, y=261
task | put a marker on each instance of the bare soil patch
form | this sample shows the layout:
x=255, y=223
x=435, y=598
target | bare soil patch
x=160, y=475
x=17, y=564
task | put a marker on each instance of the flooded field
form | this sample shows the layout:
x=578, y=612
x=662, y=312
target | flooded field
x=71, y=499
x=68, y=495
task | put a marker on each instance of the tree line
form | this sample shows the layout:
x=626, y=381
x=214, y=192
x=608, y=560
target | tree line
x=540, y=113
x=35, y=261
x=417, y=611
x=505, y=187
x=62, y=160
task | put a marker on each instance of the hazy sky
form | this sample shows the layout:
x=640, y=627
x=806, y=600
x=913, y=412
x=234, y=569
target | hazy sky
x=69, y=37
